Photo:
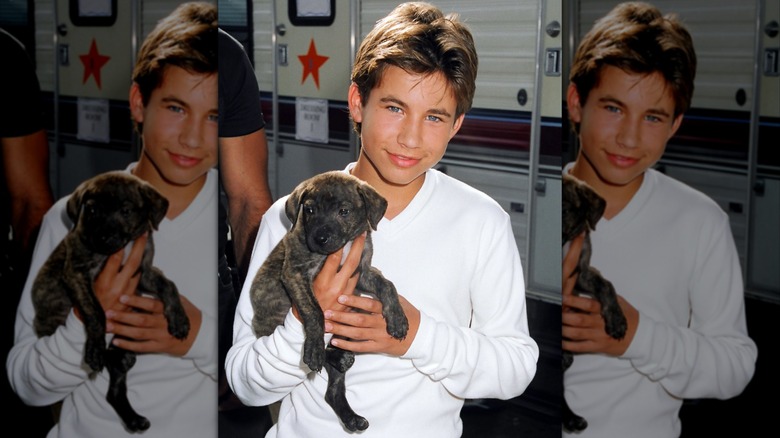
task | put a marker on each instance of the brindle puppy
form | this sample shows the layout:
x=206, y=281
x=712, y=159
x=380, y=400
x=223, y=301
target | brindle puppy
x=582, y=209
x=327, y=211
x=109, y=211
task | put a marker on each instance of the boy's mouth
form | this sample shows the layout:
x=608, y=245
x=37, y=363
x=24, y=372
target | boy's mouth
x=621, y=161
x=183, y=160
x=403, y=161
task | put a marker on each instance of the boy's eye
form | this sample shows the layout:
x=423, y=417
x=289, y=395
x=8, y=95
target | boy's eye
x=612, y=109
x=176, y=109
x=214, y=118
x=654, y=119
x=394, y=109
x=433, y=118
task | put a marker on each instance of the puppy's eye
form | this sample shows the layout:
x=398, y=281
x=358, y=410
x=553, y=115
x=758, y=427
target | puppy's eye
x=125, y=211
x=344, y=212
x=308, y=210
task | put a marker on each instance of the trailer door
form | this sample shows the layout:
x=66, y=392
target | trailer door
x=93, y=63
x=312, y=67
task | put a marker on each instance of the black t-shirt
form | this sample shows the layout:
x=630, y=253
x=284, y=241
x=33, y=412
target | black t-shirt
x=239, y=105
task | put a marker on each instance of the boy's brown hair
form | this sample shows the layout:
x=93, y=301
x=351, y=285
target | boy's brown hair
x=637, y=38
x=420, y=39
x=187, y=38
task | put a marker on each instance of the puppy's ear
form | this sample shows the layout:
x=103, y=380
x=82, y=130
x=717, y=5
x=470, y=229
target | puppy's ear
x=293, y=205
x=74, y=202
x=157, y=204
x=594, y=204
x=375, y=204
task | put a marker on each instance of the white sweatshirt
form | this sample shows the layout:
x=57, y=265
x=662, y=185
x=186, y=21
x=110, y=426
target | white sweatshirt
x=669, y=253
x=451, y=253
x=177, y=394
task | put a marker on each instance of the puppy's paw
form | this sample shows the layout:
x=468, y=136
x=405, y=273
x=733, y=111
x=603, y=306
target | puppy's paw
x=397, y=324
x=314, y=354
x=95, y=355
x=355, y=423
x=566, y=359
x=615, y=323
x=575, y=424
x=179, y=325
x=137, y=424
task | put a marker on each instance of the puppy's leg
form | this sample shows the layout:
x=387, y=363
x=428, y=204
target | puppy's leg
x=298, y=286
x=313, y=324
x=614, y=320
x=372, y=280
x=153, y=280
x=119, y=361
x=85, y=300
x=337, y=363
x=571, y=421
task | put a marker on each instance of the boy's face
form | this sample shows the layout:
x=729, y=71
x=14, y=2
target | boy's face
x=624, y=127
x=179, y=128
x=406, y=124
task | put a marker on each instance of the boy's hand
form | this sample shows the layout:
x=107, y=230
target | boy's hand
x=117, y=279
x=368, y=331
x=332, y=282
x=148, y=330
x=583, y=326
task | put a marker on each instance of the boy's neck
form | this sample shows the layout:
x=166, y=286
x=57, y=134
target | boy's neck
x=179, y=196
x=398, y=196
x=616, y=196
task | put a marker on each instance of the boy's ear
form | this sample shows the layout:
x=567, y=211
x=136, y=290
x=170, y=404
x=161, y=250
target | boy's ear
x=355, y=102
x=675, y=125
x=136, y=103
x=574, y=106
x=456, y=126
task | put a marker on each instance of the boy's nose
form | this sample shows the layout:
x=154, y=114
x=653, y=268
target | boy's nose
x=628, y=134
x=191, y=135
x=410, y=133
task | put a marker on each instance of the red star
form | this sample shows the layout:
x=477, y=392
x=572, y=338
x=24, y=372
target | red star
x=312, y=63
x=93, y=62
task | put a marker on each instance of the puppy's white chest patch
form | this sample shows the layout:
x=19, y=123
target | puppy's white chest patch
x=344, y=254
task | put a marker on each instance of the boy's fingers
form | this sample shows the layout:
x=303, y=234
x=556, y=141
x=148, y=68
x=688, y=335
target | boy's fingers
x=136, y=255
x=332, y=262
x=353, y=258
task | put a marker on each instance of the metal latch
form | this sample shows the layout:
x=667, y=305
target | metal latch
x=552, y=62
x=771, y=62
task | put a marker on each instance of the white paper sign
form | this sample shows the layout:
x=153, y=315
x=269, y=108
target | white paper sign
x=311, y=119
x=93, y=120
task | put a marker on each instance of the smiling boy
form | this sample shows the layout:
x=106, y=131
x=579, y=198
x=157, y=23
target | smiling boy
x=448, y=249
x=173, y=101
x=666, y=248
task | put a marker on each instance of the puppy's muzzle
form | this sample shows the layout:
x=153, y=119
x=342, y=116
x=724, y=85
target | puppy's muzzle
x=324, y=240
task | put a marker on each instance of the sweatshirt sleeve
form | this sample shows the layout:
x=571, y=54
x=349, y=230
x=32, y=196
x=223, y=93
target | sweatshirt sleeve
x=203, y=351
x=261, y=371
x=494, y=357
x=712, y=357
x=44, y=370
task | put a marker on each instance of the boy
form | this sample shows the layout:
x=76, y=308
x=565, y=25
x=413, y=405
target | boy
x=666, y=248
x=173, y=101
x=448, y=249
